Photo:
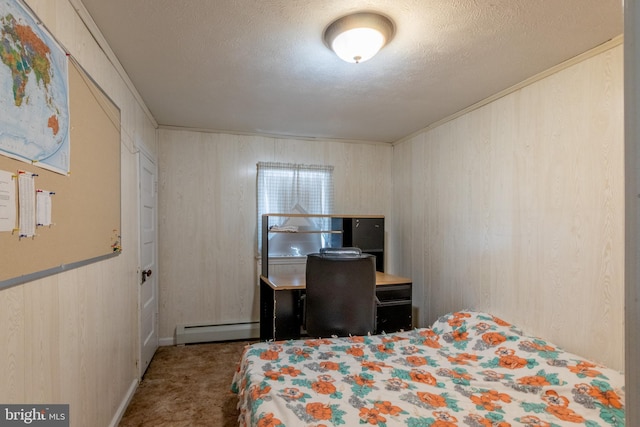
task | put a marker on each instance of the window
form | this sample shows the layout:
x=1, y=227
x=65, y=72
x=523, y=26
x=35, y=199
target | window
x=289, y=187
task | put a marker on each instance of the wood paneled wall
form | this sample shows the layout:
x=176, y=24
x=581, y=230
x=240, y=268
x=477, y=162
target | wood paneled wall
x=207, y=215
x=72, y=338
x=517, y=208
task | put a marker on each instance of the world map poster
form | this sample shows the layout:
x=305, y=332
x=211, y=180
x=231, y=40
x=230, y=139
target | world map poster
x=34, y=95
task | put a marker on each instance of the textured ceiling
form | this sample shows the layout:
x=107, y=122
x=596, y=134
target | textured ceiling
x=256, y=66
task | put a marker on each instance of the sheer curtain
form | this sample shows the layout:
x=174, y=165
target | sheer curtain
x=293, y=188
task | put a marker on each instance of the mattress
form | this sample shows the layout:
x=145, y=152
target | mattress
x=468, y=369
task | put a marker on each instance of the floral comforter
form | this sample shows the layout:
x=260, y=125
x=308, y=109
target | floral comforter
x=469, y=369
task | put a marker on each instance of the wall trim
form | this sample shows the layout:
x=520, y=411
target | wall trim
x=616, y=41
x=274, y=136
x=30, y=277
x=166, y=341
x=117, y=417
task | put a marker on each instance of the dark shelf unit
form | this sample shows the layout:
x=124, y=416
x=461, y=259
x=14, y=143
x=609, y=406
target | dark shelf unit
x=366, y=233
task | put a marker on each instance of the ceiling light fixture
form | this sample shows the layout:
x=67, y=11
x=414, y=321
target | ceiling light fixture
x=358, y=37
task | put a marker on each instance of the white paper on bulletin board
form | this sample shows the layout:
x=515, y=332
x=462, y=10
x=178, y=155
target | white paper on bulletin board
x=43, y=208
x=7, y=201
x=27, y=204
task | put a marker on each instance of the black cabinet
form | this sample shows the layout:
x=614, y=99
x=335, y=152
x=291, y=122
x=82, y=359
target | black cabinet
x=366, y=233
x=280, y=312
x=394, y=308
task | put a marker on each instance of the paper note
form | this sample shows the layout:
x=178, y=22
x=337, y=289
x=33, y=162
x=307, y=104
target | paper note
x=43, y=207
x=7, y=201
x=26, y=204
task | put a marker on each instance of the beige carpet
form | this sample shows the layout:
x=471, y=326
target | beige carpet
x=187, y=386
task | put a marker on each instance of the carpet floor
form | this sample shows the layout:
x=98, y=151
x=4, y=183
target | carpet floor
x=187, y=386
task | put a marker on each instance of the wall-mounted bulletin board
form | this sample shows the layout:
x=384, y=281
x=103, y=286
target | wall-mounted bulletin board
x=85, y=209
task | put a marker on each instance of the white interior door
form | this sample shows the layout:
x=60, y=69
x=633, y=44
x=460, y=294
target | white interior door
x=148, y=291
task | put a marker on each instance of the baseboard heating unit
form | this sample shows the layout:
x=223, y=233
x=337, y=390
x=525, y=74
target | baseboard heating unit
x=197, y=333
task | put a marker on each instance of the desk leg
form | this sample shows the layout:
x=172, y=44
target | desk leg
x=267, y=312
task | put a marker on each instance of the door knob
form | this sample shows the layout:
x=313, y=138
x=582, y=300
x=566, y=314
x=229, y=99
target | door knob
x=145, y=274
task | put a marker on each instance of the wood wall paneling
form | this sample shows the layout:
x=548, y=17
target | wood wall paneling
x=208, y=226
x=517, y=209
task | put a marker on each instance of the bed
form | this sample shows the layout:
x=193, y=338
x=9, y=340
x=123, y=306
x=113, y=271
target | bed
x=468, y=369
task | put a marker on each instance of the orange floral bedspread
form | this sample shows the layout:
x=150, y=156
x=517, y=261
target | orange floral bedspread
x=469, y=369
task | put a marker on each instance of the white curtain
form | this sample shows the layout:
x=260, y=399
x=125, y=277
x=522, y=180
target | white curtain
x=293, y=188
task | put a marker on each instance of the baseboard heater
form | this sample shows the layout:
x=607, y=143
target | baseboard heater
x=197, y=333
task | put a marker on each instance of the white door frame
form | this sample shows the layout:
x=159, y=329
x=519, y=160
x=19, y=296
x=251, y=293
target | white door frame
x=632, y=209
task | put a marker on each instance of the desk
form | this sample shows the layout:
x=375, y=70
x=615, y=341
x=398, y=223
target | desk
x=281, y=305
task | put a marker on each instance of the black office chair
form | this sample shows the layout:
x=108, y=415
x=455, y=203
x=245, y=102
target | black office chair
x=340, y=293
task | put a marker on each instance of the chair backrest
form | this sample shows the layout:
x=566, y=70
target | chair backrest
x=340, y=294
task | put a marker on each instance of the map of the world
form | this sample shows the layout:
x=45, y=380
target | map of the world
x=34, y=96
